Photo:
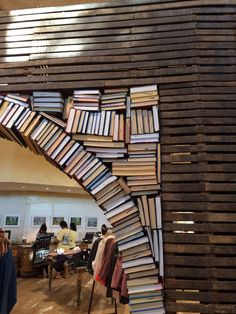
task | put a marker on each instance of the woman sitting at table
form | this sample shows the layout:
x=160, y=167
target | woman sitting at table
x=73, y=235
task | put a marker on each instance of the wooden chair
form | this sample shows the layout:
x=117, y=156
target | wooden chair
x=41, y=251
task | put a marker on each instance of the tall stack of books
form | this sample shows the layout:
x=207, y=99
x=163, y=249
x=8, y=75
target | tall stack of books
x=114, y=153
x=144, y=114
x=52, y=102
x=88, y=100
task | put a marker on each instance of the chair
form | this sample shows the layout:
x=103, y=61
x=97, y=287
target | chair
x=41, y=251
x=88, y=237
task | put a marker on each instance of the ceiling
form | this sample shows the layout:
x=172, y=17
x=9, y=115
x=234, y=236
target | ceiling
x=40, y=188
x=23, y=4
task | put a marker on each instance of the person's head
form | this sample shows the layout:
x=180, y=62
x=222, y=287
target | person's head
x=43, y=228
x=104, y=229
x=73, y=226
x=63, y=224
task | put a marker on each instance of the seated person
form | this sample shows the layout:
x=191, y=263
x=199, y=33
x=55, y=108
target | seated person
x=73, y=235
x=41, y=250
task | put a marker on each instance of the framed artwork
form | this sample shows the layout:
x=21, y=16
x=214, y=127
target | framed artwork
x=12, y=221
x=91, y=222
x=77, y=221
x=56, y=221
x=37, y=221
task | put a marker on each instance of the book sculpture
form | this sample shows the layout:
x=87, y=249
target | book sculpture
x=109, y=143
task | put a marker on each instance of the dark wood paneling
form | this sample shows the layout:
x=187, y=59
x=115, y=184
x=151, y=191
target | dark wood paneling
x=188, y=49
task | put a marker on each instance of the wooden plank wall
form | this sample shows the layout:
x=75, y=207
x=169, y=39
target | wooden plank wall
x=188, y=49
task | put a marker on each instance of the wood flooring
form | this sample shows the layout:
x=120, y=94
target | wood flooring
x=34, y=297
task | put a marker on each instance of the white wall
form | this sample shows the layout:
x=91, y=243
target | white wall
x=29, y=205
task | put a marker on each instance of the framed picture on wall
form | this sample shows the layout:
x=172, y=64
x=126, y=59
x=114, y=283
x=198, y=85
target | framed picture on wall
x=37, y=221
x=76, y=220
x=12, y=221
x=55, y=222
x=91, y=222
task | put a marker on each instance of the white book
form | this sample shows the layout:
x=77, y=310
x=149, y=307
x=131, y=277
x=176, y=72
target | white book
x=10, y=114
x=16, y=101
x=48, y=100
x=145, y=288
x=88, y=173
x=103, y=184
x=155, y=118
x=38, y=129
x=15, y=117
x=22, y=117
x=70, y=120
x=102, y=123
x=85, y=169
x=156, y=311
x=158, y=212
x=95, y=114
x=52, y=139
x=23, y=120
x=87, y=92
x=142, y=139
x=69, y=153
x=46, y=94
x=84, y=127
x=119, y=209
x=5, y=113
x=83, y=165
x=97, y=124
x=109, y=155
x=116, y=128
x=133, y=243
x=161, y=255
x=87, y=108
x=80, y=152
x=145, y=136
x=106, y=150
x=137, y=262
x=107, y=123
x=140, y=89
x=118, y=202
x=50, y=105
x=60, y=146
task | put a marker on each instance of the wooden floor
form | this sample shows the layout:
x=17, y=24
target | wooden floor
x=34, y=297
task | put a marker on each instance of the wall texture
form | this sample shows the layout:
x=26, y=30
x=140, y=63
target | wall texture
x=28, y=205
